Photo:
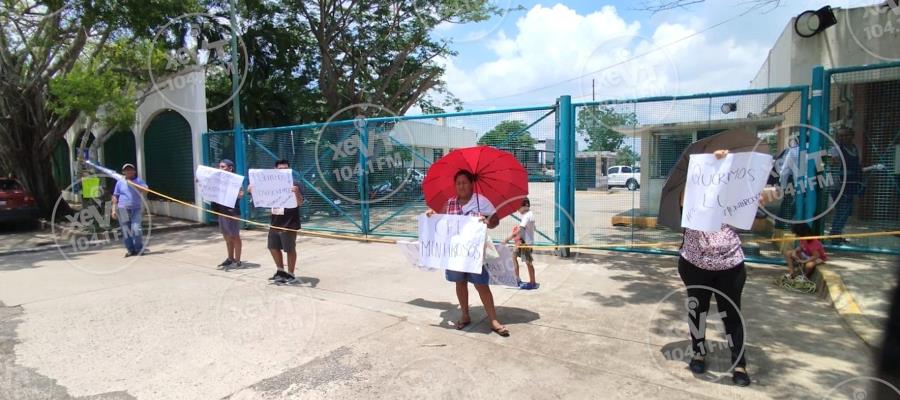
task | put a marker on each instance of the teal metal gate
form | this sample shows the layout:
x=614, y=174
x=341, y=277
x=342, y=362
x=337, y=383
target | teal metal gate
x=361, y=173
x=363, y=176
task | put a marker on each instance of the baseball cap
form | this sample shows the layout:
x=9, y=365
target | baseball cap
x=227, y=162
x=128, y=165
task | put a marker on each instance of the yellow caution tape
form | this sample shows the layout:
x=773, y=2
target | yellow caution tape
x=571, y=246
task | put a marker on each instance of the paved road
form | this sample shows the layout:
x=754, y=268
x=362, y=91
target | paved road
x=366, y=325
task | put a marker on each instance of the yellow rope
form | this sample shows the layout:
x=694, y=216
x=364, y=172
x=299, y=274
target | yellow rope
x=571, y=246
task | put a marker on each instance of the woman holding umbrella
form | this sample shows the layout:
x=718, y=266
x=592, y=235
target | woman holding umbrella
x=483, y=182
x=467, y=202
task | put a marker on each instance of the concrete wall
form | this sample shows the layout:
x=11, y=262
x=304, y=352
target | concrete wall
x=850, y=42
x=184, y=93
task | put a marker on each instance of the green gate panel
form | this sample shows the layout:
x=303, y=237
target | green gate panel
x=168, y=156
x=585, y=173
x=119, y=149
x=62, y=167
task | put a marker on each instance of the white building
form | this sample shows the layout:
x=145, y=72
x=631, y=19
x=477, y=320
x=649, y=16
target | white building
x=431, y=141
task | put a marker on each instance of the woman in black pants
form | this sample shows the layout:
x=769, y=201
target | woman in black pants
x=715, y=260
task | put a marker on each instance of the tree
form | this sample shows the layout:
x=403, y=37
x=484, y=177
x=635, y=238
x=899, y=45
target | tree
x=598, y=124
x=54, y=56
x=509, y=135
x=627, y=156
x=311, y=59
x=382, y=52
x=279, y=89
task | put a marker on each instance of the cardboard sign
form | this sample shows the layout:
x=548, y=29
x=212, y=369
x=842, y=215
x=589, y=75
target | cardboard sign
x=91, y=187
x=218, y=186
x=273, y=188
x=724, y=191
x=454, y=242
x=501, y=272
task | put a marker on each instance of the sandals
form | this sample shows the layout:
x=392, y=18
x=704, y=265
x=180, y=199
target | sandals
x=502, y=331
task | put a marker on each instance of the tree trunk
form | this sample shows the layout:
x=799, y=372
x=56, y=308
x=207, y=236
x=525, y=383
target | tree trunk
x=27, y=155
x=35, y=171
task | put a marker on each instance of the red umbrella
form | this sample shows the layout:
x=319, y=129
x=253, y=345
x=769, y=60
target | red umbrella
x=499, y=177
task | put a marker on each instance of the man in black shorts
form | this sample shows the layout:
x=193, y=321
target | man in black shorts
x=283, y=236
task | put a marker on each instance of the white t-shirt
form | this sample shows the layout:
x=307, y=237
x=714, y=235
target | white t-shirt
x=478, y=204
x=526, y=231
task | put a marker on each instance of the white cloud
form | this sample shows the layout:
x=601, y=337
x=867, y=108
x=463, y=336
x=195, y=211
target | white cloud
x=557, y=47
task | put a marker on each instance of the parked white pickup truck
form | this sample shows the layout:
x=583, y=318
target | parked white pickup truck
x=621, y=175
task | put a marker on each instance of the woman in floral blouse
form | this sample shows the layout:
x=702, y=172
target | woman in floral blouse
x=712, y=263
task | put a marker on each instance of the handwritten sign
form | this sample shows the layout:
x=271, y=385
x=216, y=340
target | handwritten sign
x=501, y=272
x=724, y=191
x=273, y=188
x=218, y=186
x=454, y=242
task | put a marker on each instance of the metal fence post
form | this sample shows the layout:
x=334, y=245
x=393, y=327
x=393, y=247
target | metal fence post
x=818, y=120
x=363, y=184
x=565, y=210
x=204, y=158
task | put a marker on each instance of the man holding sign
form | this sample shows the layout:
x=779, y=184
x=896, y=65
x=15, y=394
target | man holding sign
x=222, y=188
x=277, y=189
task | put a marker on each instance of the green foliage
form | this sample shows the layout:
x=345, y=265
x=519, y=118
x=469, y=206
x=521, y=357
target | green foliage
x=627, y=156
x=508, y=135
x=598, y=124
x=310, y=59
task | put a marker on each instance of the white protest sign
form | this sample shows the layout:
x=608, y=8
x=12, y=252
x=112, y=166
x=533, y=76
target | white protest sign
x=454, y=242
x=218, y=186
x=501, y=272
x=411, y=250
x=273, y=188
x=724, y=191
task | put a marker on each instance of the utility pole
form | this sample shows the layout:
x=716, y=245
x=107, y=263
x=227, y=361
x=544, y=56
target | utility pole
x=239, y=145
x=593, y=96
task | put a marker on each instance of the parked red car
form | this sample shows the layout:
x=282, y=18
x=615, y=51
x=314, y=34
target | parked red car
x=16, y=204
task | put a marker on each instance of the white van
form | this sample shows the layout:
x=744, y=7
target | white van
x=623, y=175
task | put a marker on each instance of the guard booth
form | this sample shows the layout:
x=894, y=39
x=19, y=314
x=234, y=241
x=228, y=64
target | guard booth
x=590, y=169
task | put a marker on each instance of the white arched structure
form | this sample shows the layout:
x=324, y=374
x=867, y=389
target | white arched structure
x=183, y=92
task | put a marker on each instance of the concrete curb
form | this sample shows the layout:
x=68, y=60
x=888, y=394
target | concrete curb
x=44, y=246
x=833, y=289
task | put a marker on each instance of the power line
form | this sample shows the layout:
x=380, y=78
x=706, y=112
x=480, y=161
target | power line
x=630, y=59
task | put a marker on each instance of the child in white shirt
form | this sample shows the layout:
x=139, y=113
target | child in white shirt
x=524, y=236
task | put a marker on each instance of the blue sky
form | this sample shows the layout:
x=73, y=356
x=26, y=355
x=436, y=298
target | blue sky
x=531, y=56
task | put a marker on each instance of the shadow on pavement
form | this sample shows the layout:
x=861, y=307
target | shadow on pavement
x=450, y=314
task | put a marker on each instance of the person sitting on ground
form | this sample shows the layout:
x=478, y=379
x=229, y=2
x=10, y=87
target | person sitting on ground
x=807, y=255
x=523, y=235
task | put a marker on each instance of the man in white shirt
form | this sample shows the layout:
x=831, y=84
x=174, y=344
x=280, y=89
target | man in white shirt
x=524, y=236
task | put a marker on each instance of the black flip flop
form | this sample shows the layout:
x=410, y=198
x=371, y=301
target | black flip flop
x=462, y=324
